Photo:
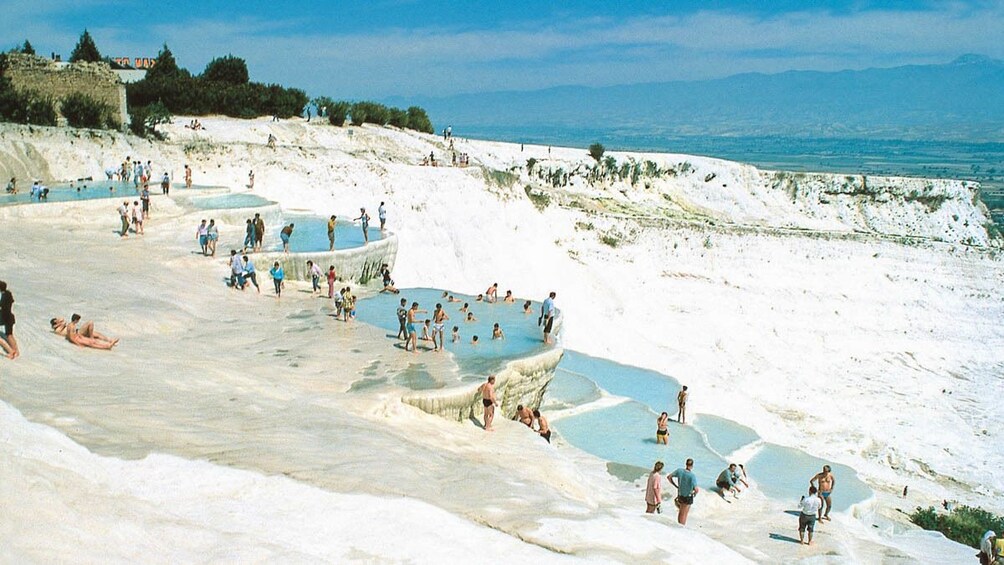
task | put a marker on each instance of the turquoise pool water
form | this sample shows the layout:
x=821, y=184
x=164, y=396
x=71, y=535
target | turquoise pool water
x=229, y=201
x=89, y=190
x=625, y=434
x=310, y=234
x=523, y=336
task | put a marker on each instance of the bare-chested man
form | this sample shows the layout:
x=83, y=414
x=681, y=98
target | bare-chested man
x=85, y=336
x=826, y=483
x=489, y=401
x=439, y=318
x=681, y=401
x=542, y=428
x=524, y=415
x=410, y=326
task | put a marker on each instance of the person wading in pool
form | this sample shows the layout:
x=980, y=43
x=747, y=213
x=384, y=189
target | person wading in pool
x=439, y=318
x=826, y=483
x=284, y=235
x=365, y=219
x=332, y=222
x=662, y=429
x=489, y=401
x=547, y=313
x=686, y=485
x=410, y=326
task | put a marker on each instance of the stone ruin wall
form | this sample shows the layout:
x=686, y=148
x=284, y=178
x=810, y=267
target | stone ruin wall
x=97, y=80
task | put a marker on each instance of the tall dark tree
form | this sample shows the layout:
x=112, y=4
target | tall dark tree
x=164, y=65
x=27, y=49
x=229, y=69
x=85, y=50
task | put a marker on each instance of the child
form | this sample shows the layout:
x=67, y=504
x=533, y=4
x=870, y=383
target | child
x=474, y=340
x=426, y=331
x=497, y=332
x=277, y=276
x=526, y=307
x=471, y=318
x=455, y=336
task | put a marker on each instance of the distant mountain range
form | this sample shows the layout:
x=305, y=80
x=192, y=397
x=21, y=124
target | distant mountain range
x=961, y=100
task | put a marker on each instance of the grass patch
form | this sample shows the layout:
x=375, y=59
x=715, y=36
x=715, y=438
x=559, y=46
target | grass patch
x=539, y=199
x=965, y=524
x=610, y=240
x=501, y=179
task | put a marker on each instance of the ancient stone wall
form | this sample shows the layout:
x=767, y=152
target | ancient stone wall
x=59, y=80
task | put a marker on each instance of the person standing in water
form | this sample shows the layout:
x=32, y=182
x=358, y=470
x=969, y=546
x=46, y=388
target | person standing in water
x=662, y=429
x=826, y=482
x=382, y=214
x=489, y=401
x=365, y=219
x=284, y=235
x=686, y=484
x=277, y=276
x=547, y=313
x=188, y=177
x=653, y=490
x=681, y=401
x=7, y=321
x=439, y=318
x=331, y=233
x=492, y=294
x=410, y=326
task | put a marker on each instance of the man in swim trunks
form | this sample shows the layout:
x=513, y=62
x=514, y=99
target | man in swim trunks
x=410, y=327
x=439, y=318
x=681, y=401
x=542, y=428
x=826, y=483
x=489, y=401
x=686, y=484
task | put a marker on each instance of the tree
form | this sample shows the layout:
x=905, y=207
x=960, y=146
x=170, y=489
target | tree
x=418, y=120
x=85, y=50
x=27, y=49
x=229, y=69
x=145, y=119
x=82, y=111
x=596, y=151
x=338, y=112
x=164, y=65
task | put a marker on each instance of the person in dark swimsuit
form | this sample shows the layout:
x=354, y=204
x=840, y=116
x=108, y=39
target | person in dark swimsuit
x=9, y=344
x=489, y=401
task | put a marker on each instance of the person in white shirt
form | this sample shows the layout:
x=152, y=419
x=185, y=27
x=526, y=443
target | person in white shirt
x=809, y=506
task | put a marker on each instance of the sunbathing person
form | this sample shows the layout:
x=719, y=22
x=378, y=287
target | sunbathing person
x=85, y=336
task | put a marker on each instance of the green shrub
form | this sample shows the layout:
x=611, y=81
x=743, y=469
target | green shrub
x=229, y=69
x=610, y=240
x=539, y=199
x=965, y=524
x=418, y=120
x=398, y=117
x=25, y=106
x=596, y=151
x=82, y=111
x=338, y=113
x=145, y=119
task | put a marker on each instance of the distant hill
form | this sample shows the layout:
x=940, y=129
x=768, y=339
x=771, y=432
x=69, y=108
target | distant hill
x=963, y=99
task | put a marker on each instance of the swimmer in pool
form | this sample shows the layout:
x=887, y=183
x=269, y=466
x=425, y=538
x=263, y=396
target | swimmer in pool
x=464, y=307
x=455, y=336
x=492, y=294
x=480, y=298
x=509, y=298
x=497, y=332
x=474, y=340
x=662, y=429
x=526, y=307
x=470, y=317
x=453, y=299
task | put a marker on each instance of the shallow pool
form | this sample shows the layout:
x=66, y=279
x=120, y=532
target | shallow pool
x=522, y=335
x=86, y=190
x=625, y=434
x=310, y=234
x=230, y=201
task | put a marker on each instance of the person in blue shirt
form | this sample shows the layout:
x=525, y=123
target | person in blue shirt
x=249, y=235
x=685, y=482
x=547, y=313
x=250, y=273
x=277, y=276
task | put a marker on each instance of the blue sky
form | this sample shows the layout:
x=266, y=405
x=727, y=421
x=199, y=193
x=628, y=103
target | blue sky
x=385, y=48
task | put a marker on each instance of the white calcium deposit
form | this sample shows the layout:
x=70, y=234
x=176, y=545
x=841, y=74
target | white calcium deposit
x=858, y=319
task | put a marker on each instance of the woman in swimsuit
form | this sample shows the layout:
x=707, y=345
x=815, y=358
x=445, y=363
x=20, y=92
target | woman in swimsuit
x=662, y=429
